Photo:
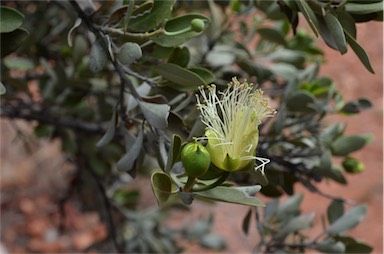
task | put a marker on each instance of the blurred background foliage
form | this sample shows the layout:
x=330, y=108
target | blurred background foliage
x=115, y=81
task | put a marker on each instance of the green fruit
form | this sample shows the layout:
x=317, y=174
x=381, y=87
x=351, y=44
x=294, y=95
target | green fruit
x=352, y=165
x=196, y=159
x=197, y=25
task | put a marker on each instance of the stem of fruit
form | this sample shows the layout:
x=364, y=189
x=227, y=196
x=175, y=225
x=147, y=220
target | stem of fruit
x=190, y=182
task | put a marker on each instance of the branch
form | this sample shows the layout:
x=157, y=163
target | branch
x=82, y=162
x=12, y=112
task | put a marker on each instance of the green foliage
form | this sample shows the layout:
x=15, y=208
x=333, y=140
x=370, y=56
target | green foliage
x=282, y=224
x=118, y=89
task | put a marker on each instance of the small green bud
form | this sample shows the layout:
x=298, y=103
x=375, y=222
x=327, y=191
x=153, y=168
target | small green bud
x=197, y=25
x=352, y=165
x=196, y=159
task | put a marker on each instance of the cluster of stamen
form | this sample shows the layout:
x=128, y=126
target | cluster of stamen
x=232, y=117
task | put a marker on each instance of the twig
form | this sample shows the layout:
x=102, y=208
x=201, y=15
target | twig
x=81, y=162
x=314, y=189
x=13, y=112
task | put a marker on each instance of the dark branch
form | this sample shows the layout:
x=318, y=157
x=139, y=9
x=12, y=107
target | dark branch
x=16, y=112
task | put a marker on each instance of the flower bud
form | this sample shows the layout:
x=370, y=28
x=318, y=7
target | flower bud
x=196, y=159
x=352, y=165
x=197, y=25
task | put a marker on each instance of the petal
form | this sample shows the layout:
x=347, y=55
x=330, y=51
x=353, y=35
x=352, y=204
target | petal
x=231, y=163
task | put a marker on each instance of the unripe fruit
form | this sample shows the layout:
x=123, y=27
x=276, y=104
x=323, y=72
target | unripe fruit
x=197, y=25
x=352, y=165
x=196, y=159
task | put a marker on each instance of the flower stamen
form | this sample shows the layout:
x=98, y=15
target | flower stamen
x=232, y=122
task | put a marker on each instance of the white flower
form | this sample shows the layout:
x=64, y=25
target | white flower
x=232, y=118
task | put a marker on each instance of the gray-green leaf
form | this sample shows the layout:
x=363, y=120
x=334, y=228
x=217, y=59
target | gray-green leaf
x=309, y=15
x=230, y=195
x=336, y=31
x=348, y=221
x=359, y=51
x=296, y=224
x=330, y=246
x=335, y=210
x=98, y=57
x=146, y=21
x=155, y=114
x=127, y=161
x=346, y=145
x=183, y=79
x=2, y=88
x=110, y=133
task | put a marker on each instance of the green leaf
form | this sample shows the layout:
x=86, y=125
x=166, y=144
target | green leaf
x=354, y=107
x=246, y=221
x=295, y=224
x=346, y=145
x=272, y=35
x=364, y=103
x=330, y=246
x=290, y=206
x=155, y=114
x=336, y=31
x=309, y=15
x=325, y=161
x=10, y=19
x=128, y=53
x=126, y=198
x=199, y=228
x=332, y=132
x=359, y=51
x=143, y=90
x=221, y=55
x=206, y=75
x=348, y=23
x=262, y=73
x=128, y=160
x=12, y=40
x=249, y=190
x=302, y=101
x=110, y=133
x=326, y=34
x=335, y=210
x=98, y=57
x=19, y=63
x=161, y=186
x=146, y=21
x=229, y=195
x=178, y=30
x=2, y=88
x=180, y=56
x=284, y=70
x=294, y=57
x=182, y=79
x=348, y=221
x=174, y=152
x=364, y=8
x=358, y=248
